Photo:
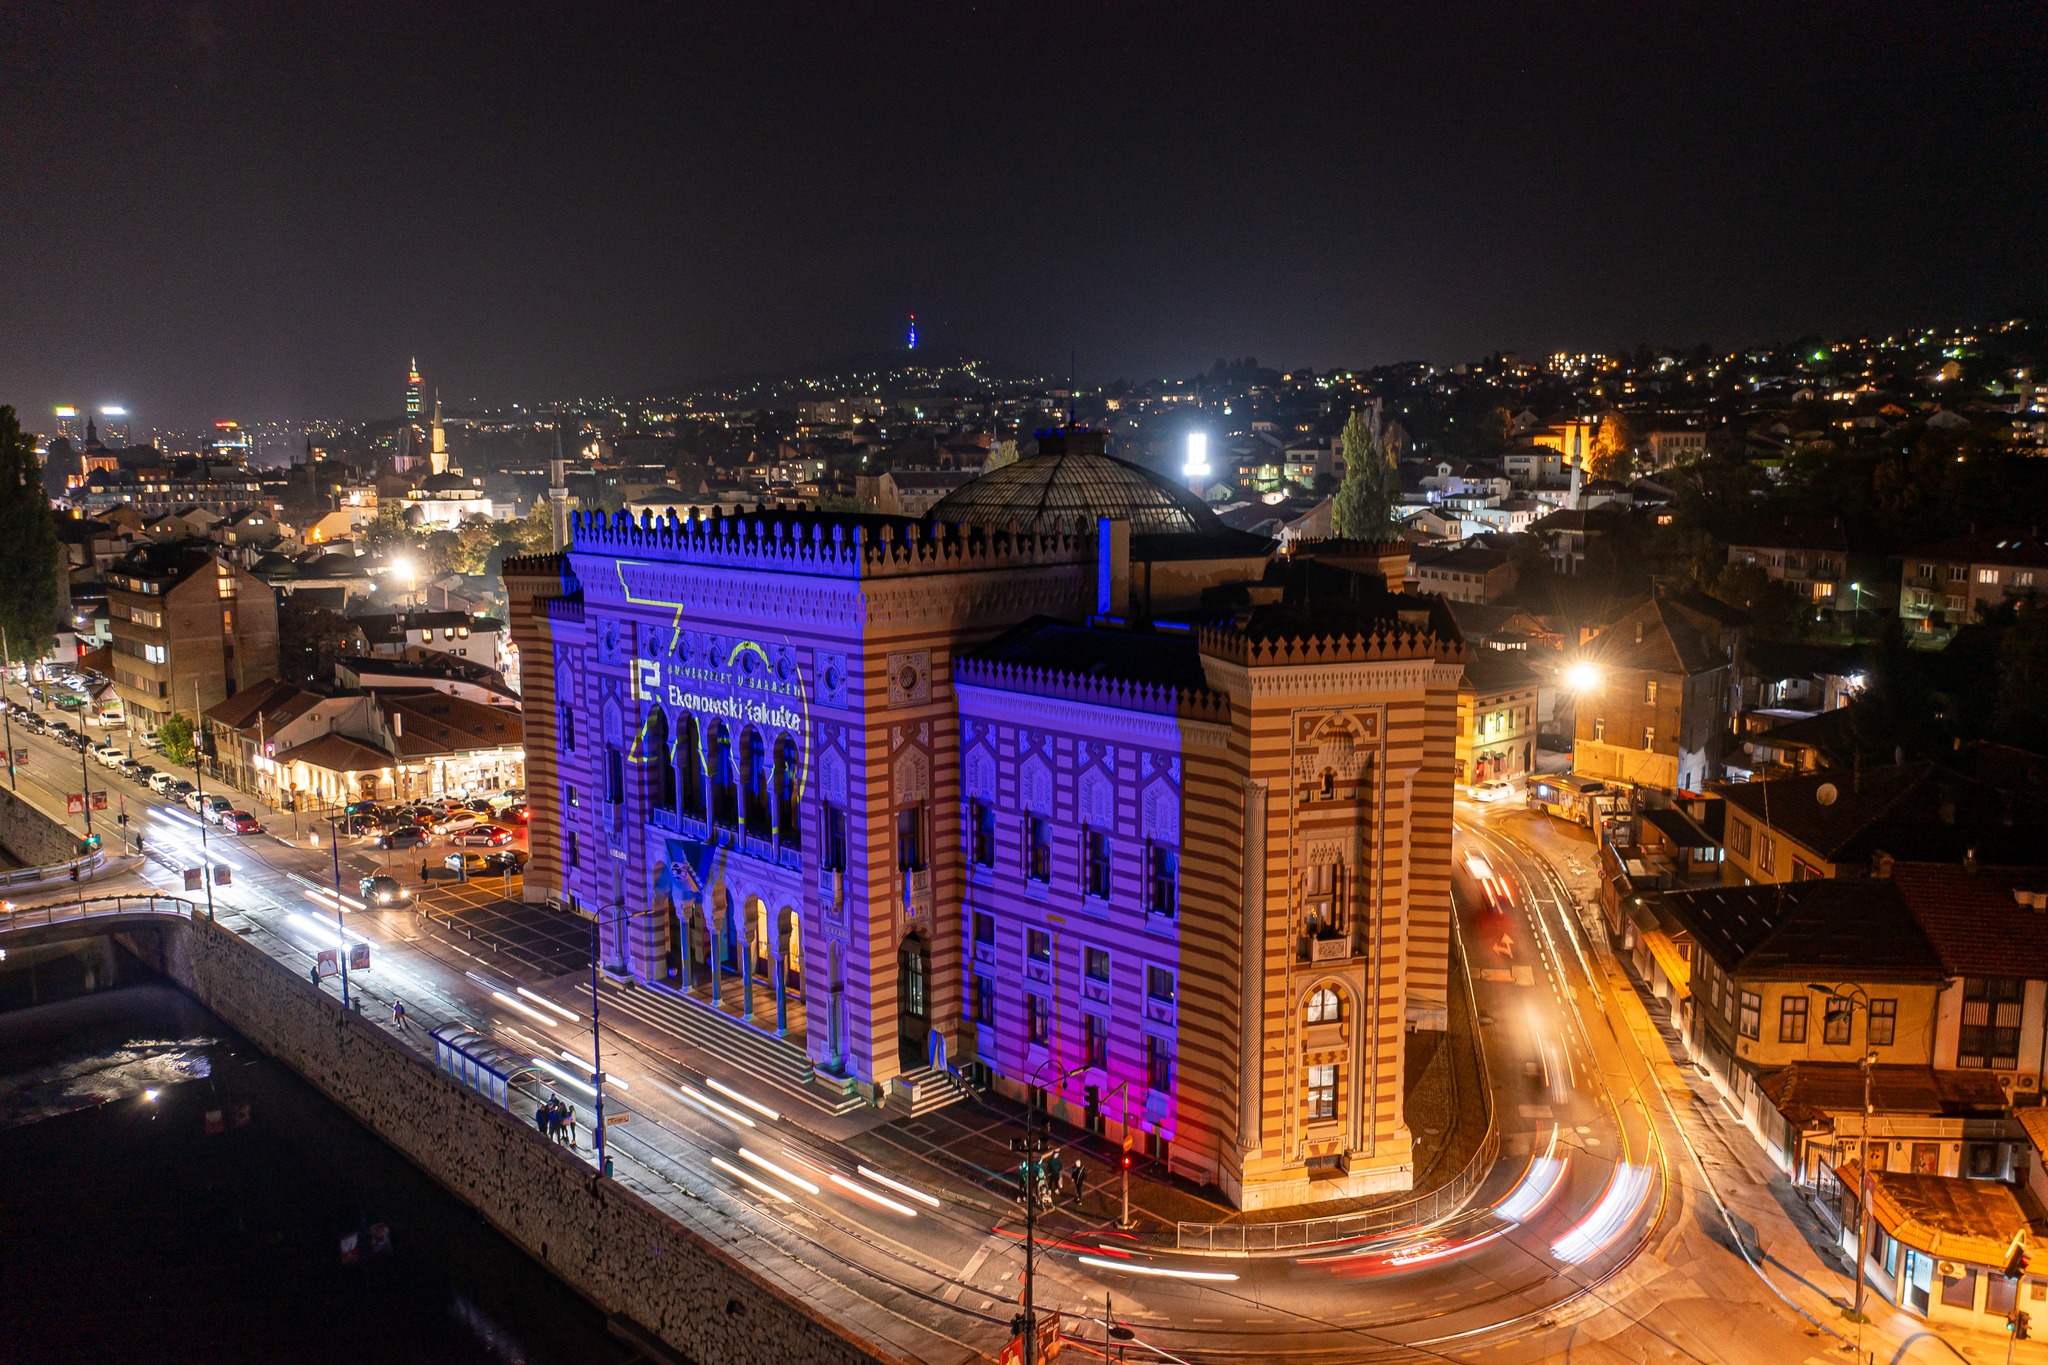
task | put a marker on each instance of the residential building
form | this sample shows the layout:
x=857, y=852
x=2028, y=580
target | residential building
x=1831, y=824
x=457, y=634
x=1816, y=562
x=875, y=791
x=189, y=630
x=1658, y=707
x=1496, y=716
x=1668, y=447
x=1462, y=573
x=1947, y=584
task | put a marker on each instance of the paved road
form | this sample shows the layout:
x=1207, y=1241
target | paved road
x=923, y=1252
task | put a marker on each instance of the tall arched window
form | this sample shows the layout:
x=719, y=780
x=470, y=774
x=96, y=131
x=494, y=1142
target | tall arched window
x=788, y=828
x=1324, y=1006
x=653, y=755
x=760, y=816
x=725, y=792
x=689, y=768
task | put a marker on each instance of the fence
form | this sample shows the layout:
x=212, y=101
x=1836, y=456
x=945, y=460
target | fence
x=97, y=907
x=32, y=876
x=1251, y=1239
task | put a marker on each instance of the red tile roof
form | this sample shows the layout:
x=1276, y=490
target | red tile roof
x=1976, y=925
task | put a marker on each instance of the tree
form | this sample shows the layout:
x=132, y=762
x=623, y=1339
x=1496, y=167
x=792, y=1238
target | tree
x=175, y=737
x=2022, y=711
x=390, y=528
x=1364, y=509
x=30, y=557
x=1614, y=449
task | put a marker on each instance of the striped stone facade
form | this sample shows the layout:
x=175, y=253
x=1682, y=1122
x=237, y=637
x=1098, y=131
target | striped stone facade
x=1004, y=827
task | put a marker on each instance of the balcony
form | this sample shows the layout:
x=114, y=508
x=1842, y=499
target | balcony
x=1337, y=947
x=831, y=887
x=917, y=893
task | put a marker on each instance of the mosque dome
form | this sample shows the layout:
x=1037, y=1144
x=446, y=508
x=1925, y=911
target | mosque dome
x=1072, y=478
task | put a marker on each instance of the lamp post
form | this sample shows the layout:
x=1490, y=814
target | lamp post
x=6, y=713
x=1852, y=998
x=340, y=925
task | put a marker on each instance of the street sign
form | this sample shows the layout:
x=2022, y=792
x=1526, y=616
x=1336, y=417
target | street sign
x=99, y=800
x=74, y=803
x=330, y=962
x=21, y=758
x=193, y=879
x=359, y=957
x=615, y=1117
x=223, y=875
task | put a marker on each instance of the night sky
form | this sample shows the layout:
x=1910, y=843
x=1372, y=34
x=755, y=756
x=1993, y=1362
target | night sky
x=263, y=210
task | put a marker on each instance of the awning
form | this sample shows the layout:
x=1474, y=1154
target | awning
x=1671, y=961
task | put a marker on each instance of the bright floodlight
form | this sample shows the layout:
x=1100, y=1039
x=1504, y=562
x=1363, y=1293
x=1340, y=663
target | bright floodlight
x=1582, y=677
x=1198, y=454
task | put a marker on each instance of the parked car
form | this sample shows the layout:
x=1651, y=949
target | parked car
x=144, y=772
x=519, y=812
x=362, y=808
x=455, y=822
x=191, y=798
x=127, y=767
x=161, y=782
x=148, y=740
x=465, y=862
x=216, y=809
x=511, y=860
x=33, y=723
x=178, y=788
x=402, y=836
x=241, y=822
x=108, y=756
x=369, y=822
x=481, y=836
x=382, y=890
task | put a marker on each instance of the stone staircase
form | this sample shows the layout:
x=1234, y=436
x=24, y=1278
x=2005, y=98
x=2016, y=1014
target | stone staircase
x=739, y=1051
x=920, y=1092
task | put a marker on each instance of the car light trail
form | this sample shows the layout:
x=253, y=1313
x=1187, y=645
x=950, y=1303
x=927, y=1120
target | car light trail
x=563, y=1076
x=871, y=1196
x=705, y=1102
x=1162, y=1272
x=763, y=1186
x=791, y=1176
x=722, y=1088
x=1617, y=1208
x=609, y=1079
x=899, y=1186
x=505, y=999
x=544, y=1001
x=1543, y=1179
x=320, y=930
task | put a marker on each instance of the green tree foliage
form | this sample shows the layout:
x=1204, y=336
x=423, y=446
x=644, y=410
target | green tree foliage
x=31, y=577
x=1364, y=508
x=175, y=735
x=2021, y=716
x=389, y=529
x=1775, y=611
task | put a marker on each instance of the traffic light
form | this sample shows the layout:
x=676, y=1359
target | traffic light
x=1124, y=1161
x=1094, y=1096
x=2016, y=1323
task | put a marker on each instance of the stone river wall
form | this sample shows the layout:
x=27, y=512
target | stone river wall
x=612, y=1246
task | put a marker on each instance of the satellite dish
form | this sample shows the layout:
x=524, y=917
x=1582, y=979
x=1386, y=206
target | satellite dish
x=1825, y=793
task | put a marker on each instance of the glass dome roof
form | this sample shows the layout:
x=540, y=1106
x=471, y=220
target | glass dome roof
x=1072, y=478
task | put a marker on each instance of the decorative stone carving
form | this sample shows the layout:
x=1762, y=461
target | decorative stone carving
x=910, y=677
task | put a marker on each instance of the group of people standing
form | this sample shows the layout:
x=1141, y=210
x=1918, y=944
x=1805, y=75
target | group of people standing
x=556, y=1119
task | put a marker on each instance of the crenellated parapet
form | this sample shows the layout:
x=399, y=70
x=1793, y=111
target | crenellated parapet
x=1393, y=640
x=827, y=544
x=1185, y=703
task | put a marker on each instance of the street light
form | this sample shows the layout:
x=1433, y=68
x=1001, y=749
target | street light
x=1582, y=676
x=1853, y=998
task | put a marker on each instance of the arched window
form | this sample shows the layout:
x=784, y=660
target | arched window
x=725, y=794
x=689, y=768
x=788, y=829
x=1324, y=1007
x=661, y=774
x=754, y=771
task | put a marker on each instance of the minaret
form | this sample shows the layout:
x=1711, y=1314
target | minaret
x=437, y=453
x=1572, y=502
x=558, y=495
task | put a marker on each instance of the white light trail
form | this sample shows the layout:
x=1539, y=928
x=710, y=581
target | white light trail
x=791, y=1176
x=865, y=1193
x=722, y=1088
x=563, y=1076
x=505, y=999
x=763, y=1186
x=1160, y=1271
x=1616, y=1209
x=704, y=1101
x=609, y=1079
x=1544, y=1178
x=544, y=1001
x=898, y=1186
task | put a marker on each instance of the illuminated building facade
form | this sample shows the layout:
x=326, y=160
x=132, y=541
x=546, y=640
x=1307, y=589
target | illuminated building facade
x=1107, y=807
x=415, y=392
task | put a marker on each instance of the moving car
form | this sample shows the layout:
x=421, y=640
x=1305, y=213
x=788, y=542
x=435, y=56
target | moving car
x=454, y=822
x=481, y=836
x=1491, y=790
x=368, y=822
x=241, y=822
x=402, y=836
x=382, y=890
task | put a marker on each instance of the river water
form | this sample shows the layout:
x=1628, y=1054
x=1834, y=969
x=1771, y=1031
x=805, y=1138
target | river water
x=168, y=1193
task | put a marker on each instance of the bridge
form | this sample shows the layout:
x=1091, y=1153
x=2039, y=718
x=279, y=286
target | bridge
x=91, y=915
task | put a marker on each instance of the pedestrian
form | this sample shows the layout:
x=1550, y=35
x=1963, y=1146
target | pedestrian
x=398, y=1013
x=314, y=972
x=1052, y=1178
x=541, y=1114
x=423, y=872
x=1080, y=1174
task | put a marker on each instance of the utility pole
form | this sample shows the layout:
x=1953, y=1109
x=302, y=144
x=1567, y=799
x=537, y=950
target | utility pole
x=1029, y=1146
x=340, y=925
x=596, y=1062
x=1853, y=998
x=205, y=857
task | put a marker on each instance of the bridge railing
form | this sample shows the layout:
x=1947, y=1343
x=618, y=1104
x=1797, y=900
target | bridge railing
x=97, y=907
x=31, y=876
